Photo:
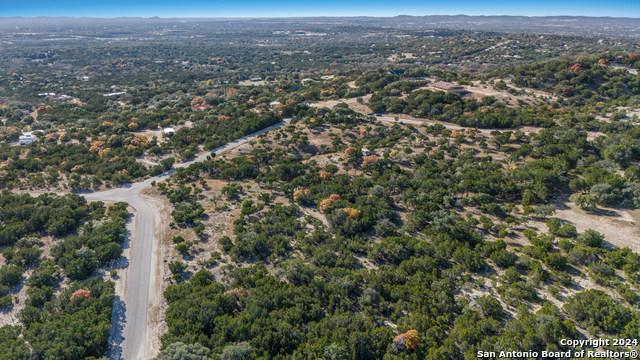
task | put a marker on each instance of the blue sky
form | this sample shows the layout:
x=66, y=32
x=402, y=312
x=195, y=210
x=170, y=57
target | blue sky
x=277, y=8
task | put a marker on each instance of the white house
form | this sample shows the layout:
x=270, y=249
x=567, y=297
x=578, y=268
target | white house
x=27, y=138
x=366, y=152
x=168, y=131
x=273, y=104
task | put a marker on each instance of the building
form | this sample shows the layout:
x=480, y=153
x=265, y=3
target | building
x=27, y=138
x=255, y=79
x=114, y=93
x=200, y=107
x=273, y=104
x=366, y=152
x=448, y=87
x=168, y=131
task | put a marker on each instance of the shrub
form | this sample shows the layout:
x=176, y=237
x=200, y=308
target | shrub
x=177, y=267
x=183, y=249
x=180, y=351
x=556, y=261
x=226, y=243
x=591, y=238
x=5, y=302
x=178, y=239
x=490, y=307
x=595, y=308
x=504, y=258
x=567, y=231
x=10, y=275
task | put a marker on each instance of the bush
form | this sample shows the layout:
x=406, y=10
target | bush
x=567, y=231
x=490, y=307
x=606, y=194
x=180, y=351
x=565, y=245
x=10, y=275
x=177, y=267
x=591, y=238
x=553, y=225
x=238, y=351
x=38, y=296
x=5, y=301
x=511, y=275
x=601, y=273
x=595, y=308
x=470, y=259
x=504, y=258
x=167, y=163
x=556, y=261
x=226, y=243
x=178, y=239
x=183, y=249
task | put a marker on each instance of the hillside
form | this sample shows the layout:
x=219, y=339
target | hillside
x=299, y=232
x=336, y=191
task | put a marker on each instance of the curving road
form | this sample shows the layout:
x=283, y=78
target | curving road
x=139, y=273
x=380, y=117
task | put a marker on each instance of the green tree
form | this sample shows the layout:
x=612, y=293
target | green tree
x=180, y=351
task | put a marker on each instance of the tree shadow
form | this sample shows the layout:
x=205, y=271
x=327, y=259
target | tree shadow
x=8, y=309
x=603, y=212
x=121, y=263
x=118, y=322
x=126, y=243
x=561, y=205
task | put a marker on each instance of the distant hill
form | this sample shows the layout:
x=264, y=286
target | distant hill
x=578, y=25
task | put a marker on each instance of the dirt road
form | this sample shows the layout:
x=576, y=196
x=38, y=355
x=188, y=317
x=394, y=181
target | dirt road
x=138, y=275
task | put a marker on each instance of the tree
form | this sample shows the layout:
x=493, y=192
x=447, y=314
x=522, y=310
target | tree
x=490, y=307
x=167, y=163
x=10, y=275
x=606, y=194
x=504, y=258
x=596, y=308
x=238, y=351
x=544, y=211
x=591, y=238
x=180, y=351
x=231, y=92
x=620, y=154
x=335, y=352
x=556, y=261
x=585, y=201
x=183, y=249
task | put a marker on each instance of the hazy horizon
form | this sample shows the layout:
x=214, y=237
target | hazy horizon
x=329, y=8
x=248, y=17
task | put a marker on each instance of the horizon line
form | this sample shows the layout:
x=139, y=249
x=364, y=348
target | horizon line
x=305, y=17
